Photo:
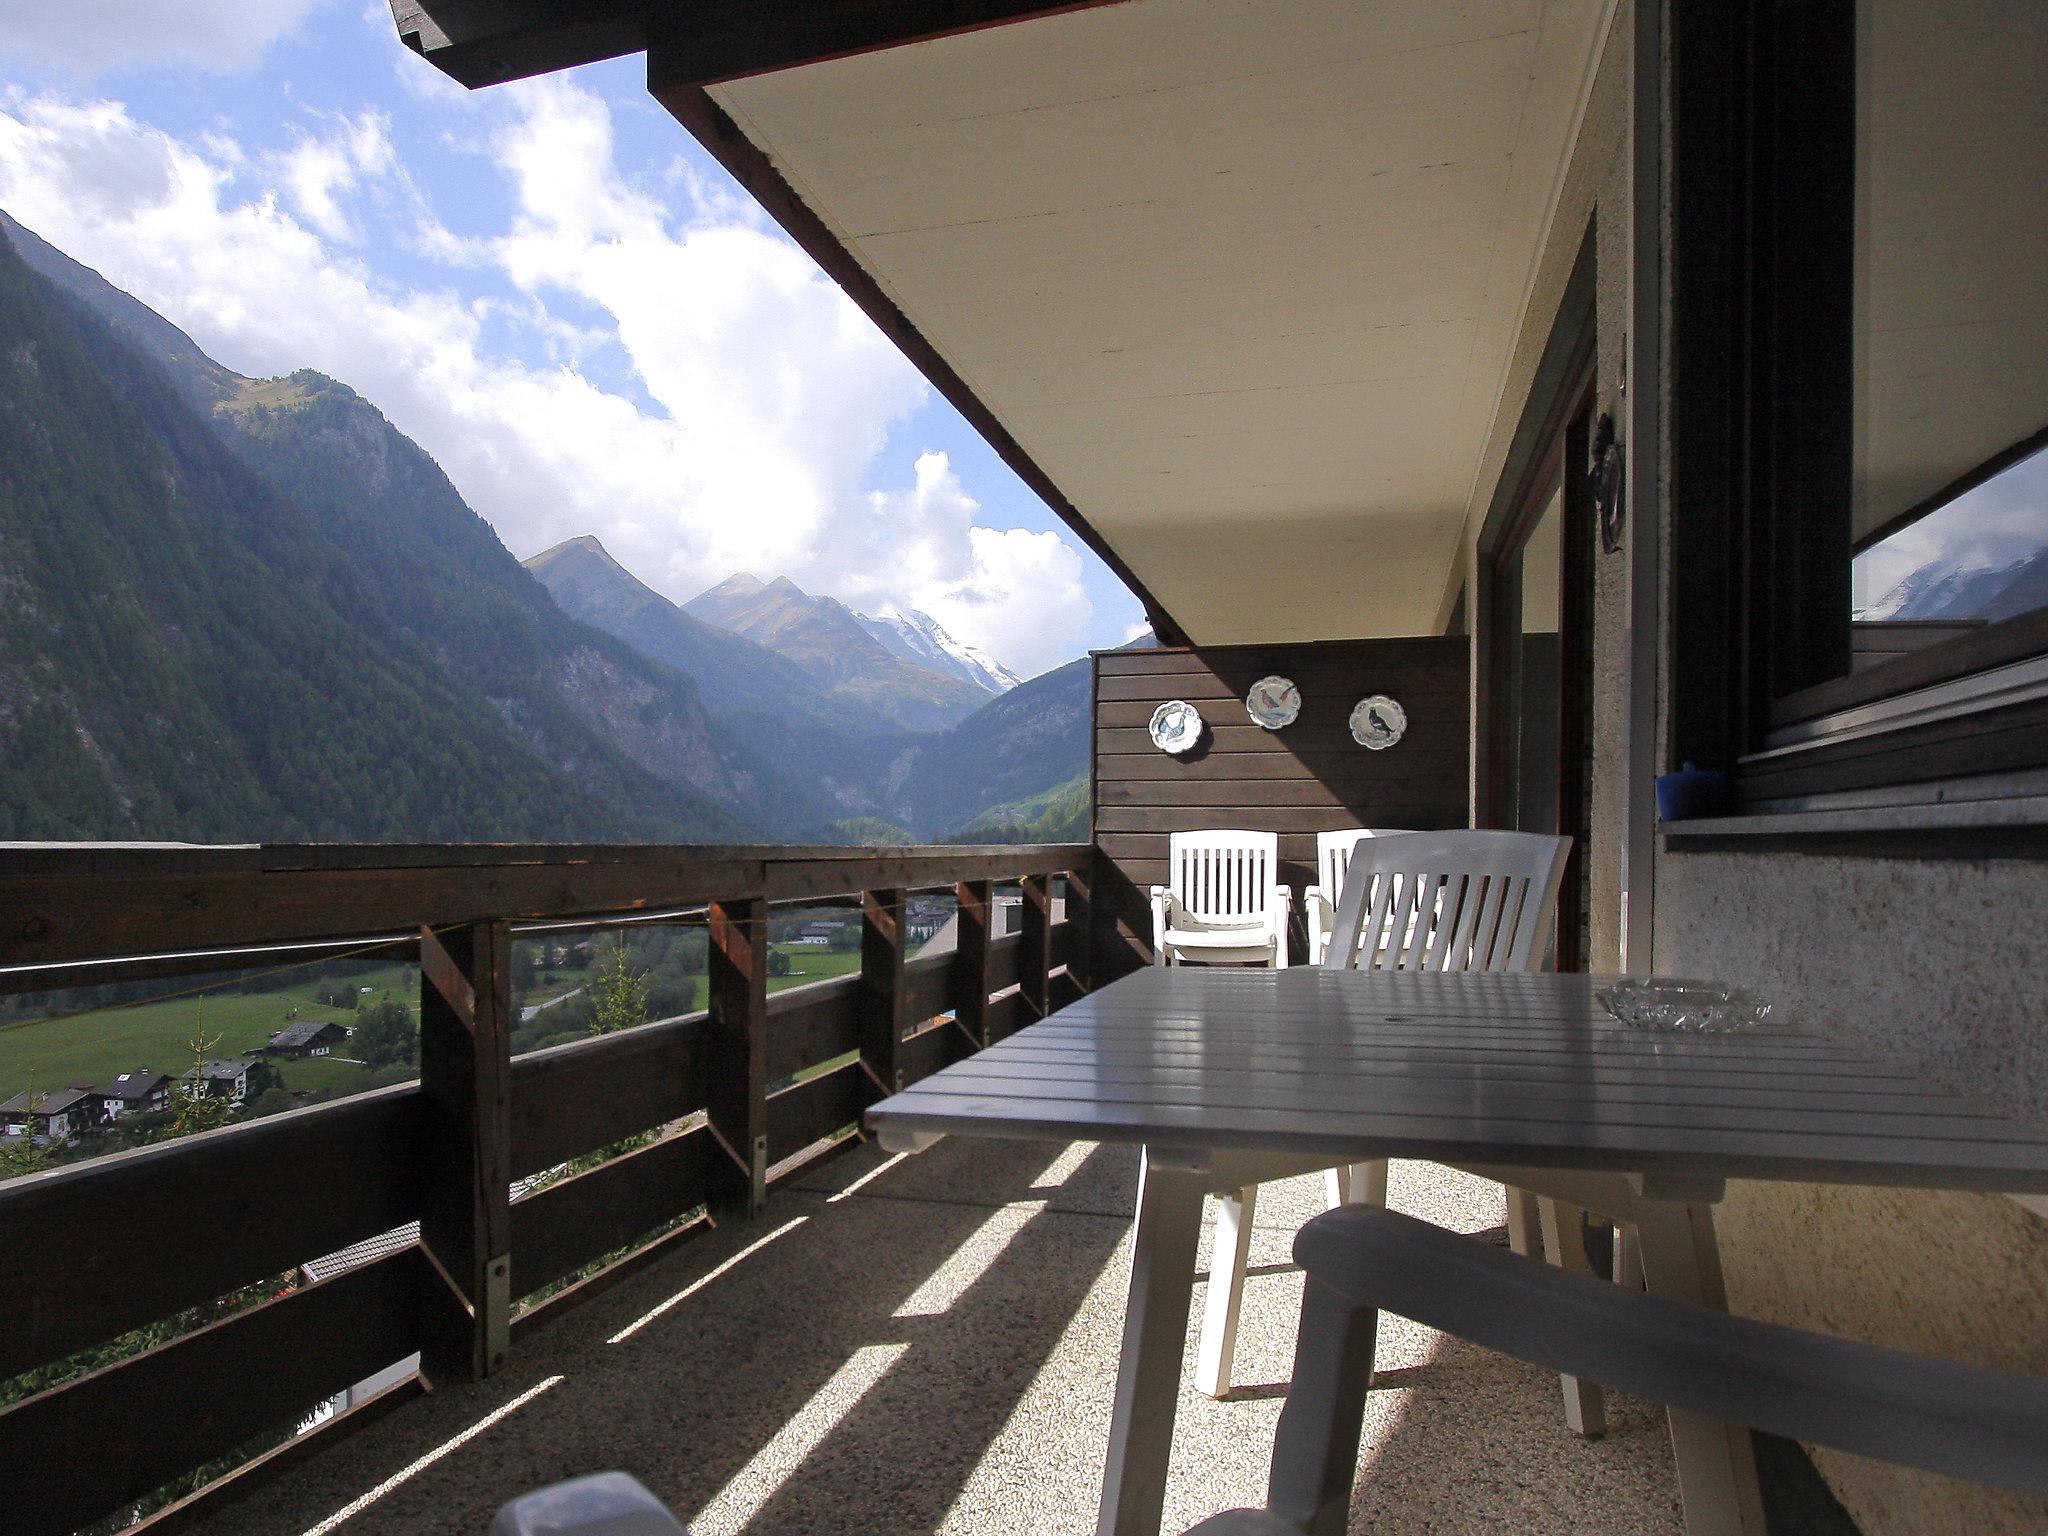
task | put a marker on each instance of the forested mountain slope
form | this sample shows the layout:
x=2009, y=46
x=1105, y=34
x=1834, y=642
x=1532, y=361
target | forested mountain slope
x=186, y=652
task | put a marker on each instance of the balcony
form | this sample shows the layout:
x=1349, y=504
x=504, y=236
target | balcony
x=181, y=1305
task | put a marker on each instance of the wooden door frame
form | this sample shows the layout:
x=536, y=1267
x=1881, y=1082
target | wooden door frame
x=1553, y=438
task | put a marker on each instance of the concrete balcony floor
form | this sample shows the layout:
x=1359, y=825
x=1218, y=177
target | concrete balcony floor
x=930, y=1344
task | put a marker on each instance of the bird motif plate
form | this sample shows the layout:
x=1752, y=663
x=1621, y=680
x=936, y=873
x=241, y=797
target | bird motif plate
x=1378, y=722
x=1273, y=702
x=1176, y=727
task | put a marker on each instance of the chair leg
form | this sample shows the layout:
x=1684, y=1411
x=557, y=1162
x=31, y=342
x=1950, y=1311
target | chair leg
x=1564, y=1244
x=1315, y=1448
x=1628, y=1257
x=1228, y=1254
x=1358, y=1184
x=1525, y=1223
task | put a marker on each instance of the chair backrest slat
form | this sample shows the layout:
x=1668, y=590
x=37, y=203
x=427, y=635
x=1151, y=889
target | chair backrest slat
x=1448, y=901
x=1222, y=873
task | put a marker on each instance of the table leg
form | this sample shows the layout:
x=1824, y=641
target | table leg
x=1163, y=1248
x=1228, y=1257
x=1716, y=1462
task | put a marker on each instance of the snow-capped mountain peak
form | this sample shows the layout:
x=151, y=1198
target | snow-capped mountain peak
x=919, y=637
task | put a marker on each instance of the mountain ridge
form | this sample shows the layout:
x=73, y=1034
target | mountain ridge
x=826, y=638
x=188, y=654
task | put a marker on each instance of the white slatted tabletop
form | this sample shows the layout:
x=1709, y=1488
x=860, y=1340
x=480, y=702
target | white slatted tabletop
x=1521, y=1069
x=1230, y=1077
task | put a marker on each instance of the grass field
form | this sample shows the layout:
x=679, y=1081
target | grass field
x=808, y=963
x=92, y=1048
x=95, y=1047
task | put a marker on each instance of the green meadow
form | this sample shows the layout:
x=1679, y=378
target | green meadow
x=91, y=1048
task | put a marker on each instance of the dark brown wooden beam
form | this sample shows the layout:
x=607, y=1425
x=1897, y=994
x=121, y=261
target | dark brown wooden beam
x=975, y=929
x=669, y=82
x=466, y=1151
x=1078, y=946
x=61, y=904
x=1034, y=956
x=488, y=42
x=882, y=989
x=83, y=1450
x=575, y=1098
x=736, y=1054
x=558, y=1230
x=69, y=1266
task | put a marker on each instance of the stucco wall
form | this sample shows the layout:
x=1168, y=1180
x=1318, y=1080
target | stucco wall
x=1941, y=963
x=1934, y=962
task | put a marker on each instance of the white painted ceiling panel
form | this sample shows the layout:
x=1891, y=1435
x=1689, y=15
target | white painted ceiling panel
x=1242, y=269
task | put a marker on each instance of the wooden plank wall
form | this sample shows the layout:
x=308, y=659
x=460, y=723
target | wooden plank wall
x=1309, y=778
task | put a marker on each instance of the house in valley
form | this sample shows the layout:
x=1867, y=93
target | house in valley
x=141, y=1092
x=305, y=1037
x=52, y=1115
x=223, y=1079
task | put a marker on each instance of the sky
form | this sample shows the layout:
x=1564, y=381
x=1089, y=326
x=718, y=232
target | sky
x=548, y=285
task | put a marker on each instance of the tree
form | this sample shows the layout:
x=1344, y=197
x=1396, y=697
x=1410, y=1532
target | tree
x=618, y=993
x=386, y=1035
x=271, y=1101
x=19, y=1155
x=778, y=962
x=195, y=1108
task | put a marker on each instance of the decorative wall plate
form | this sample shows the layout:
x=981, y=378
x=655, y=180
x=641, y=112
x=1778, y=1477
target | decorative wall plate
x=1176, y=727
x=1274, y=702
x=1377, y=722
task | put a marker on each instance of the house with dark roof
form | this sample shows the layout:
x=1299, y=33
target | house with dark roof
x=141, y=1092
x=223, y=1079
x=49, y=1115
x=305, y=1037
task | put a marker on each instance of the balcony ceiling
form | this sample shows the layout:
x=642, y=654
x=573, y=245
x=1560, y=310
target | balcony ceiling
x=1243, y=279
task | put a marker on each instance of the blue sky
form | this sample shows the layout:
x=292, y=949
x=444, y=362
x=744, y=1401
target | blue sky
x=548, y=285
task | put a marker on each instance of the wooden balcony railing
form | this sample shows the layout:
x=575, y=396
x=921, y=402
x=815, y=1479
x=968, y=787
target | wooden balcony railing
x=93, y=1251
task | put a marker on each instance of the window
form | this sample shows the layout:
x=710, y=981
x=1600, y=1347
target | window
x=1860, y=399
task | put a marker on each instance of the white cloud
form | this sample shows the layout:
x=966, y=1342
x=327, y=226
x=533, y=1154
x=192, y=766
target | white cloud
x=94, y=35
x=318, y=170
x=1011, y=592
x=772, y=395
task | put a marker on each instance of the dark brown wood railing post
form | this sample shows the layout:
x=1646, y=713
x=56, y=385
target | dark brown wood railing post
x=466, y=1154
x=736, y=1058
x=977, y=914
x=1034, y=957
x=881, y=992
x=1081, y=927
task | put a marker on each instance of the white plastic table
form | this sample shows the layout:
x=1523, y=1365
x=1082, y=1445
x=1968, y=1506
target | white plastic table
x=1236, y=1077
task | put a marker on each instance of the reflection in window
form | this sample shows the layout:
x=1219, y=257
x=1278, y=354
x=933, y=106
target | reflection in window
x=1978, y=559
x=1951, y=317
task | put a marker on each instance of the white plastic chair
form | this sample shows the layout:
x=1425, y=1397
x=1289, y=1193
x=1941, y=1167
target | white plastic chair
x=1223, y=902
x=602, y=1504
x=1436, y=901
x=1319, y=901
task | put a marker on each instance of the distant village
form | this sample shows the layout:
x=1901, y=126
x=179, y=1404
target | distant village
x=60, y=1116
x=57, y=1117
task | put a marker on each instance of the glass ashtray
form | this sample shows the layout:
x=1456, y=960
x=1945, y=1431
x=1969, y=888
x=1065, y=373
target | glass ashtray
x=1685, y=1006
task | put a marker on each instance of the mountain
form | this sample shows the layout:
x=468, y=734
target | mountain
x=1059, y=815
x=1030, y=741
x=830, y=642
x=918, y=637
x=1943, y=590
x=803, y=742
x=190, y=650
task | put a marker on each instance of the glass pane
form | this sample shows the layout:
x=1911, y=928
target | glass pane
x=1978, y=559
x=1951, y=317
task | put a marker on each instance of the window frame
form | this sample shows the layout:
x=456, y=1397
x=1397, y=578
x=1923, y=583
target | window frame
x=1762, y=141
